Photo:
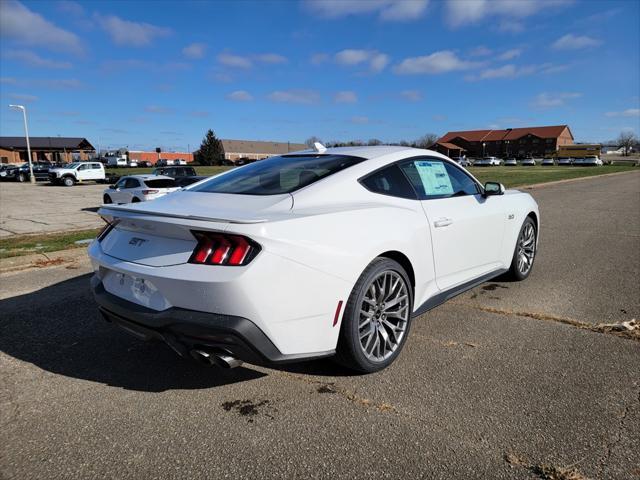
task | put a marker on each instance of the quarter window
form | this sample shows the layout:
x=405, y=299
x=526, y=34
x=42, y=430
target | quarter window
x=389, y=181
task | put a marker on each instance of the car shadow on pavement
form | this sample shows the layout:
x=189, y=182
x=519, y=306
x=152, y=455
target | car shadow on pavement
x=58, y=329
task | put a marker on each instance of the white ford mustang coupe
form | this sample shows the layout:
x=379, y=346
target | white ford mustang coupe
x=325, y=252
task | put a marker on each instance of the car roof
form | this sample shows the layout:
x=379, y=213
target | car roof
x=148, y=177
x=367, y=152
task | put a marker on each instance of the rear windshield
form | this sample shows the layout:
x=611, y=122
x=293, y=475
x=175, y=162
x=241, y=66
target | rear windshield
x=161, y=183
x=277, y=175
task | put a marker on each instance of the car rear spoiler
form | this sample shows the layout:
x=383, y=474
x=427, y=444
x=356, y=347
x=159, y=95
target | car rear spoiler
x=115, y=211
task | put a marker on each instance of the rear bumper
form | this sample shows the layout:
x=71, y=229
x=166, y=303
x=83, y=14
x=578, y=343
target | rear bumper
x=183, y=330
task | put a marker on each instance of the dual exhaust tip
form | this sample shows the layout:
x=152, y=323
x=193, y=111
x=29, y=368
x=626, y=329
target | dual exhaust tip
x=215, y=358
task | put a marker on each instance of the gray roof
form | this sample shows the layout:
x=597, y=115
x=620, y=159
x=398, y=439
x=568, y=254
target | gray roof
x=252, y=146
x=46, y=143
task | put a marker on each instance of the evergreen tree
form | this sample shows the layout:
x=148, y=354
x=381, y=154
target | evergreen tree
x=211, y=150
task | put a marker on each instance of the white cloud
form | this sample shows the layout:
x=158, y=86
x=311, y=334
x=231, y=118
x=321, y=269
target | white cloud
x=128, y=33
x=510, y=54
x=411, y=95
x=34, y=60
x=510, y=26
x=20, y=24
x=574, y=42
x=8, y=81
x=387, y=10
x=240, y=96
x=439, y=62
x=319, y=58
x=21, y=97
x=629, y=112
x=550, y=100
x=480, y=51
x=271, y=58
x=195, y=50
x=375, y=60
x=68, y=6
x=359, y=120
x=294, y=96
x=236, y=61
x=345, y=97
x=514, y=71
x=464, y=12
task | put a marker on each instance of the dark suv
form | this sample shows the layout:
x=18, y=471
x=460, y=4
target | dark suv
x=21, y=173
x=174, y=172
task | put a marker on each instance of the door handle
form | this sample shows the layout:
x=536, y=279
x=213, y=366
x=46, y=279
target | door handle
x=442, y=222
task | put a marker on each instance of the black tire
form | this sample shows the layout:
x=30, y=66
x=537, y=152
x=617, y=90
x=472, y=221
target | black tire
x=21, y=177
x=135, y=200
x=516, y=273
x=68, y=181
x=107, y=199
x=350, y=351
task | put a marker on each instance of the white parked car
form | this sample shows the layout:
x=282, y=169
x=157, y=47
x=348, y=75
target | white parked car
x=547, y=162
x=565, y=161
x=488, y=162
x=528, y=162
x=592, y=161
x=578, y=161
x=308, y=255
x=132, y=163
x=77, y=172
x=139, y=188
x=179, y=161
x=510, y=162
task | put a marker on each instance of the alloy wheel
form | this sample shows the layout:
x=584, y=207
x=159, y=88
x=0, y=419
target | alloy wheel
x=384, y=316
x=526, y=249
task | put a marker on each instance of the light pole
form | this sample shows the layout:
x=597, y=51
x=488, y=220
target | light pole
x=483, y=145
x=26, y=134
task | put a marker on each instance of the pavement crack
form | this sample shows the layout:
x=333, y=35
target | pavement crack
x=632, y=333
x=609, y=446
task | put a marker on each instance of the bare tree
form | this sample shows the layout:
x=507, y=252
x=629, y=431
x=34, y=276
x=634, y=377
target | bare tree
x=374, y=141
x=426, y=141
x=311, y=140
x=627, y=140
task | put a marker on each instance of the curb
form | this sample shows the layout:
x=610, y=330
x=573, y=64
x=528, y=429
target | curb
x=43, y=260
x=566, y=180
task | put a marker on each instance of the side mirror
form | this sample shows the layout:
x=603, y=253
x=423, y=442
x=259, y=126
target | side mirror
x=112, y=187
x=493, y=188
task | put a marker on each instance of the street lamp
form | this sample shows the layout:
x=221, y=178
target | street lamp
x=26, y=134
x=483, y=145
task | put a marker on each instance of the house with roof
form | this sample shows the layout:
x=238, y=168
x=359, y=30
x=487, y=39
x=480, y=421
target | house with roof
x=234, y=150
x=53, y=149
x=510, y=142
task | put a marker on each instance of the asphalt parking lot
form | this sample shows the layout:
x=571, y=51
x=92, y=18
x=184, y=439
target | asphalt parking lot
x=51, y=208
x=509, y=380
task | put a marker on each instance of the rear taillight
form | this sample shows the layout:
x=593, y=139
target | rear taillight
x=223, y=249
x=149, y=192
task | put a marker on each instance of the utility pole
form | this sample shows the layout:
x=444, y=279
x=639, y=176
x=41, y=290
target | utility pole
x=26, y=134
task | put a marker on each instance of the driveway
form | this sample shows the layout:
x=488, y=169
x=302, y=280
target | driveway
x=509, y=380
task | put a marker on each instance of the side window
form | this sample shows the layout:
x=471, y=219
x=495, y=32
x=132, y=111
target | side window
x=132, y=183
x=434, y=178
x=389, y=181
x=121, y=183
x=461, y=181
x=83, y=167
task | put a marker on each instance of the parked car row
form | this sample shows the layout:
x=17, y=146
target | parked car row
x=528, y=162
x=143, y=188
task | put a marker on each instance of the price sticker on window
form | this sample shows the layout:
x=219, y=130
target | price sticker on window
x=434, y=177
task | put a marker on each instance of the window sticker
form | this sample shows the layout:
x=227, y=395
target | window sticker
x=435, y=178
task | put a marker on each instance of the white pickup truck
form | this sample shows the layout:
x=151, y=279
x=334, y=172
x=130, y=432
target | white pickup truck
x=77, y=172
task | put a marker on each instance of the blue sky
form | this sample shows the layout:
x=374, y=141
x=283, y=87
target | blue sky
x=143, y=74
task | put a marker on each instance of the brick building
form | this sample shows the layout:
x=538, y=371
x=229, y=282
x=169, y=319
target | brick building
x=257, y=150
x=153, y=157
x=511, y=142
x=54, y=149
